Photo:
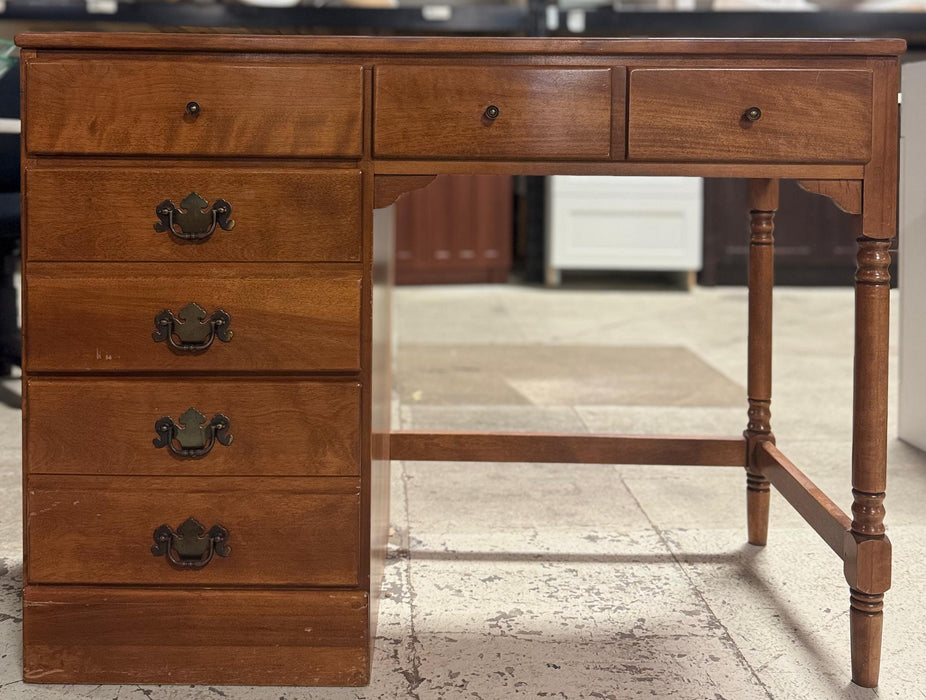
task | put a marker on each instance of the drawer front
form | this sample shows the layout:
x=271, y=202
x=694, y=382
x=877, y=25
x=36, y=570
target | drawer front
x=78, y=634
x=92, y=213
x=277, y=428
x=132, y=106
x=277, y=532
x=699, y=115
x=543, y=113
x=281, y=318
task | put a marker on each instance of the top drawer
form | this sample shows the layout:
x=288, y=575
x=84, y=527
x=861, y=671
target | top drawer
x=539, y=113
x=797, y=116
x=139, y=107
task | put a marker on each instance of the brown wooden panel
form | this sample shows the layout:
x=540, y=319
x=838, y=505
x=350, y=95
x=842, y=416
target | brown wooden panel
x=76, y=634
x=283, y=317
x=808, y=116
x=567, y=448
x=99, y=530
x=99, y=213
x=279, y=428
x=439, y=112
x=138, y=107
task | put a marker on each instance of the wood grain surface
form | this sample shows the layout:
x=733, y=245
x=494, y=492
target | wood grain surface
x=282, y=532
x=280, y=428
x=283, y=317
x=438, y=112
x=108, y=213
x=808, y=116
x=77, y=634
x=137, y=106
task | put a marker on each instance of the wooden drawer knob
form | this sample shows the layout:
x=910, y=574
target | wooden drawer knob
x=753, y=114
x=190, y=546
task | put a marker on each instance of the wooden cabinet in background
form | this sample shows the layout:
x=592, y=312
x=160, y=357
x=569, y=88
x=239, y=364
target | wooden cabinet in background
x=458, y=229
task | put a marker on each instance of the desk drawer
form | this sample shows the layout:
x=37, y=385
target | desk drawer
x=281, y=532
x=80, y=634
x=103, y=317
x=285, y=427
x=127, y=106
x=93, y=213
x=543, y=113
x=700, y=115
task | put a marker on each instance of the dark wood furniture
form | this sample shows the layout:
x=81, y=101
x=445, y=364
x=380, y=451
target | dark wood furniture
x=457, y=230
x=297, y=140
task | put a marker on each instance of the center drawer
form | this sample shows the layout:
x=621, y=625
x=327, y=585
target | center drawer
x=519, y=112
x=287, y=317
x=101, y=530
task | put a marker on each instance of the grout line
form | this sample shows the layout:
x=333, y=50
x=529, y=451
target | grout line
x=726, y=633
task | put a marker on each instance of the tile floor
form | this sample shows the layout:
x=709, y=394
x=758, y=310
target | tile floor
x=565, y=581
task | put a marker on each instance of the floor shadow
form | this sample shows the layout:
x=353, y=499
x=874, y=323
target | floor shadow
x=10, y=397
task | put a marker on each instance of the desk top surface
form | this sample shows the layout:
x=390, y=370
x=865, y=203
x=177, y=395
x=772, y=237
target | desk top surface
x=457, y=45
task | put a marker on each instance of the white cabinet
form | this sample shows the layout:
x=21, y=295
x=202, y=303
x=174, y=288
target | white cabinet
x=623, y=223
x=911, y=417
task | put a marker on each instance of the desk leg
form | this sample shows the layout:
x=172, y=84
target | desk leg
x=763, y=203
x=868, y=551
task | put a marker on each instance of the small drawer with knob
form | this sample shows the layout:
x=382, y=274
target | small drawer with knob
x=178, y=106
x=168, y=212
x=193, y=531
x=192, y=317
x=706, y=115
x=497, y=112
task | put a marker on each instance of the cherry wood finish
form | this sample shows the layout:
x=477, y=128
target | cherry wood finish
x=807, y=116
x=440, y=112
x=203, y=636
x=283, y=318
x=99, y=530
x=568, y=448
x=762, y=204
x=246, y=110
x=292, y=121
x=108, y=214
x=279, y=427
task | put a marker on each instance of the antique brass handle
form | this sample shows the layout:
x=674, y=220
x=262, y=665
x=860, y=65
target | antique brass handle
x=193, y=109
x=188, y=437
x=753, y=114
x=194, y=219
x=190, y=546
x=491, y=112
x=191, y=330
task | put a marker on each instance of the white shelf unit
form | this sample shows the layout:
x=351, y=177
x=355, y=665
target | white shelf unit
x=623, y=223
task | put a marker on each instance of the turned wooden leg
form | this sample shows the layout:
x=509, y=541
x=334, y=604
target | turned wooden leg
x=763, y=202
x=868, y=551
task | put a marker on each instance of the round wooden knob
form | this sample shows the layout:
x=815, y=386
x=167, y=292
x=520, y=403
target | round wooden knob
x=491, y=112
x=193, y=109
x=753, y=114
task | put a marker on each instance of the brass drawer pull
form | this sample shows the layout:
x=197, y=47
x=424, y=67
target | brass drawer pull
x=190, y=546
x=491, y=112
x=193, y=109
x=188, y=438
x=194, y=219
x=753, y=114
x=191, y=330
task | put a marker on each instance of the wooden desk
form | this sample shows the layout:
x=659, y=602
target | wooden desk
x=160, y=325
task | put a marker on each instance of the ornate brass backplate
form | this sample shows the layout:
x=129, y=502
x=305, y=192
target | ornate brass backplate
x=194, y=219
x=190, y=546
x=189, y=437
x=191, y=330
